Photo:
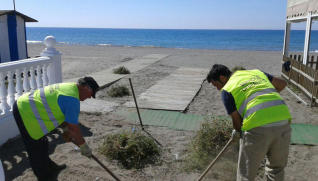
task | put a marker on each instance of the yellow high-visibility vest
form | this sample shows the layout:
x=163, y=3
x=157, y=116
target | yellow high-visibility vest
x=256, y=99
x=40, y=111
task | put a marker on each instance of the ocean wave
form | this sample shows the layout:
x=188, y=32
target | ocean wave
x=34, y=42
x=148, y=46
x=103, y=44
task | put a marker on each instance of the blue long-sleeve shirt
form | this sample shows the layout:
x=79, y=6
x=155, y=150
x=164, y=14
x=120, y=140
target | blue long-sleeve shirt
x=70, y=107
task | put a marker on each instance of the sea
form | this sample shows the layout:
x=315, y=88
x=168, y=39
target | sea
x=255, y=40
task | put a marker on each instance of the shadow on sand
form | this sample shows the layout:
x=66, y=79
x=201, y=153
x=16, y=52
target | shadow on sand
x=15, y=158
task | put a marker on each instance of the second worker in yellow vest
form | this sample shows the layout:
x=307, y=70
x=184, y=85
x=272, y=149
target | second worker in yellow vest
x=39, y=112
x=259, y=114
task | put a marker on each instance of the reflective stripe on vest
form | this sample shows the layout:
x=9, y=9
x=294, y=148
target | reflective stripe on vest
x=36, y=113
x=47, y=108
x=263, y=106
x=251, y=97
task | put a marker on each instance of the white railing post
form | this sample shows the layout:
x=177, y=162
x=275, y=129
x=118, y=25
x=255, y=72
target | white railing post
x=11, y=90
x=39, y=80
x=54, y=69
x=3, y=94
x=18, y=87
x=32, y=79
x=45, y=77
x=26, y=83
x=307, y=38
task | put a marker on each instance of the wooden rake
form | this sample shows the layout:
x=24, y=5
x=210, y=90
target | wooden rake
x=140, y=121
x=215, y=159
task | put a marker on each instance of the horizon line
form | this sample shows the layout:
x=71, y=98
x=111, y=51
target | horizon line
x=151, y=28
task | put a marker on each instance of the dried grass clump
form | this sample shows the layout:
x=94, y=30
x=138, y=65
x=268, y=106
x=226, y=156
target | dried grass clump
x=238, y=68
x=121, y=70
x=132, y=150
x=208, y=141
x=118, y=91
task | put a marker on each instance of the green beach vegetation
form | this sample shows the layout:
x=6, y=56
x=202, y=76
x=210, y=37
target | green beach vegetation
x=207, y=142
x=118, y=91
x=121, y=70
x=130, y=149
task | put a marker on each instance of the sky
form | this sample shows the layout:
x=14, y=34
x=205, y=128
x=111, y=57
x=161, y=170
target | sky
x=154, y=14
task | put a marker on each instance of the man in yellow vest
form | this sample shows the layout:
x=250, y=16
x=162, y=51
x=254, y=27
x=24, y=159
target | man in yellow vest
x=259, y=114
x=41, y=111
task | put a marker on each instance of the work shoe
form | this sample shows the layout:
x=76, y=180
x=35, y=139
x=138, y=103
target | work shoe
x=55, y=167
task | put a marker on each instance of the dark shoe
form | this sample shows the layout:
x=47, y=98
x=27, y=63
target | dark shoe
x=55, y=167
x=49, y=177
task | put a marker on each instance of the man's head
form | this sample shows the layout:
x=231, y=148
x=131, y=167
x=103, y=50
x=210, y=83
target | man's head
x=219, y=75
x=87, y=87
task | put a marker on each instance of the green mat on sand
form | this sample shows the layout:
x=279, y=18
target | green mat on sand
x=170, y=119
x=301, y=133
x=304, y=134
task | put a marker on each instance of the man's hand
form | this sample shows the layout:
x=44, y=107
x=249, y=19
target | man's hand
x=86, y=150
x=74, y=133
x=236, y=135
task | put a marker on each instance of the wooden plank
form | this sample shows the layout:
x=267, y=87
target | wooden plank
x=106, y=77
x=175, y=92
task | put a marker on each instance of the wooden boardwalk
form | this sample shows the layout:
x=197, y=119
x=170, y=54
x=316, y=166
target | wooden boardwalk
x=175, y=92
x=107, y=76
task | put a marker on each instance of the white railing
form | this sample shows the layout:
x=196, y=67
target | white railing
x=23, y=76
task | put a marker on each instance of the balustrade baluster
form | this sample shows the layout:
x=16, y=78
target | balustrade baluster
x=39, y=77
x=18, y=83
x=11, y=90
x=44, y=75
x=3, y=94
x=26, y=84
x=32, y=79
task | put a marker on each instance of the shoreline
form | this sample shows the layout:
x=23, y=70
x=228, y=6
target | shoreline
x=62, y=44
x=80, y=60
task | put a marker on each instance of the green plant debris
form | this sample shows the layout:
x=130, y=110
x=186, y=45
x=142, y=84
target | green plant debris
x=121, y=70
x=131, y=150
x=208, y=141
x=118, y=91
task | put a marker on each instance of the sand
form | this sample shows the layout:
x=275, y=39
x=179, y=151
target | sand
x=81, y=60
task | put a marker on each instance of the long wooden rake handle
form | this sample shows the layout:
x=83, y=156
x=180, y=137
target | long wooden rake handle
x=142, y=126
x=215, y=159
x=102, y=165
x=133, y=92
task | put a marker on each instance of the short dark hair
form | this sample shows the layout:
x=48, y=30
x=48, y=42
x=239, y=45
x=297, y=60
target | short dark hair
x=89, y=81
x=216, y=71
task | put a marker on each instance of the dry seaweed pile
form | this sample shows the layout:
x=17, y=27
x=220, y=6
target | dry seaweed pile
x=208, y=141
x=131, y=149
x=118, y=91
x=121, y=70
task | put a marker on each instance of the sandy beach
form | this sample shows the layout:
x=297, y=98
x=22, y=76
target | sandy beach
x=78, y=60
